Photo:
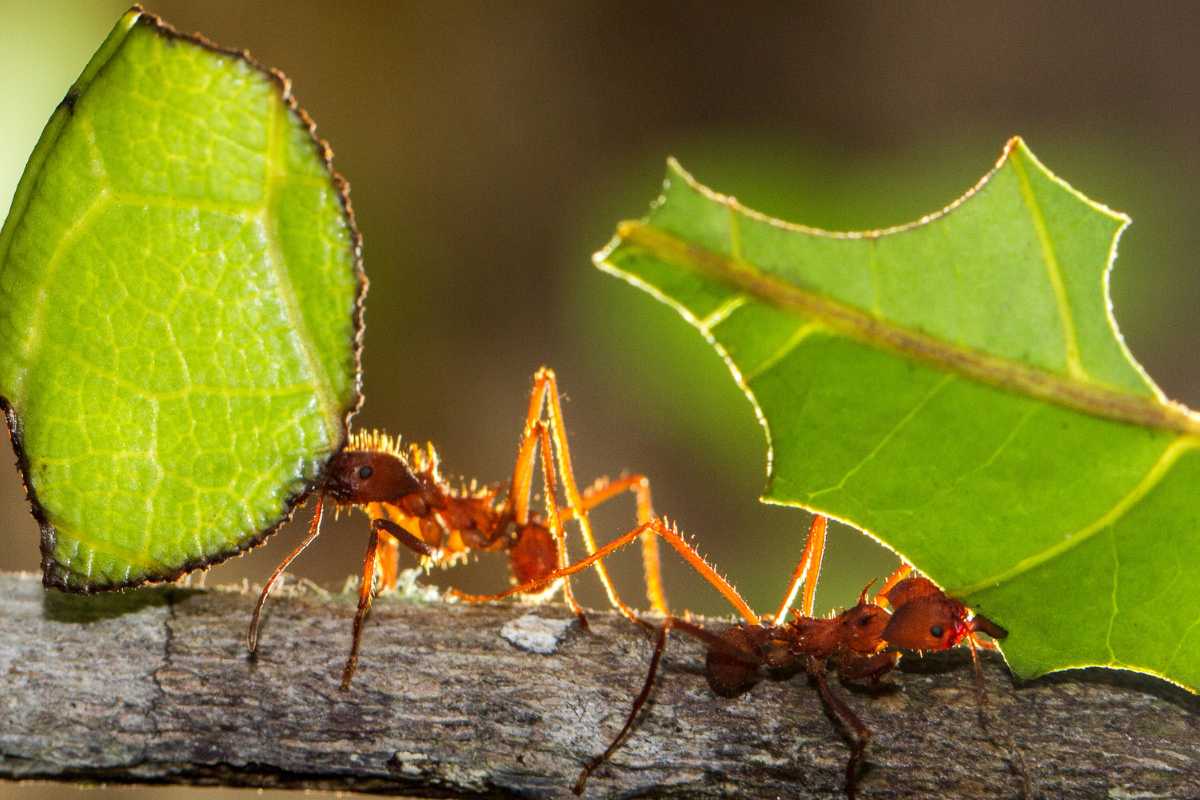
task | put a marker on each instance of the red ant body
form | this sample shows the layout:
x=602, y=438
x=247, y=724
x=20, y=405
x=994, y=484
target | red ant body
x=411, y=504
x=861, y=644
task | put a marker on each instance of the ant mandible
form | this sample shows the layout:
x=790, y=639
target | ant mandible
x=861, y=644
x=411, y=504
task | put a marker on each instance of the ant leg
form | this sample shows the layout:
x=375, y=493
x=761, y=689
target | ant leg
x=556, y=528
x=558, y=430
x=816, y=533
x=604, y=490
x=365, y=595
x=388, y=560
x=314, y=530
x=814, y=551
x=656, y=527
x=659, y=648
x=839, y=709
x=389, y=550
x=399, y=536
x=534, y=434
x=522, y=480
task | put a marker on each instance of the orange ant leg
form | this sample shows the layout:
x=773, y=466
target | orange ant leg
x=556, y=528
x=545, y=378
x=314, y=530
x=534, y=434
x=389, y=561
x=816, y=533
x=604, y=490
x=655, y=527
x=522, y=481
x=545, y=395
x=809, y=564
x=366, y=593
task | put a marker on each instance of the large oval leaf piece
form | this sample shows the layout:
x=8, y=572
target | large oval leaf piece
x=180, y=309
x=958, y=389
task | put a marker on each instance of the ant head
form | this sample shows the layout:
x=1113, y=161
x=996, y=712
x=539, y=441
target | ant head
x=357, y=477
x=934, y=622
x=926, y=618
x=862, y=626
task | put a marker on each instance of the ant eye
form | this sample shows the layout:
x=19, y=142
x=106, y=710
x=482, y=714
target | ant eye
x=365, y=472
x=864, y=621
x=936, y=631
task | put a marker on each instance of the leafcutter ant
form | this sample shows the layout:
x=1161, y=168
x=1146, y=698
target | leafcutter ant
x=409, y=503
x=860, y=644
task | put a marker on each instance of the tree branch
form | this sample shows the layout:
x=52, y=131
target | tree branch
x=154, y=687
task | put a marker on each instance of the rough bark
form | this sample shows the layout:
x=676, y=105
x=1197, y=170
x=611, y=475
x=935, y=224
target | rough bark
x=454, y=701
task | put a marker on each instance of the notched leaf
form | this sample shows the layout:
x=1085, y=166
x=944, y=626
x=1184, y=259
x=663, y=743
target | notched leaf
x=958, y=389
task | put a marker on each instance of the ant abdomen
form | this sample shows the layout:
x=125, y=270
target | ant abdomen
x=534, y=555
x=731, y=665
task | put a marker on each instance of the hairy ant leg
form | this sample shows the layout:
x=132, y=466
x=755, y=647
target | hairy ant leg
x=552, y=516
x=366, y=592
x=603, y=490
x=392, y=534
x=382, y=530
x=655, y=527
x=545, y=394
x=808, y=568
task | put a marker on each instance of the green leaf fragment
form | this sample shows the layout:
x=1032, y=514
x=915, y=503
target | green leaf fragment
x=958, y=389
x=179, y=311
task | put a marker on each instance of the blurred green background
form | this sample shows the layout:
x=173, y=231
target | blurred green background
x=493, y=147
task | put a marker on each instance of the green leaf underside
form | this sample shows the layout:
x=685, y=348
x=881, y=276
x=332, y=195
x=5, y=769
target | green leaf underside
x=958, y=389
x=178, y=295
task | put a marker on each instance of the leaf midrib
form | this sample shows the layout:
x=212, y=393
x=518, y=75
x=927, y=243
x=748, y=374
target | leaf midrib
x=1070, y=333
x=275, y=173
x=859, y=325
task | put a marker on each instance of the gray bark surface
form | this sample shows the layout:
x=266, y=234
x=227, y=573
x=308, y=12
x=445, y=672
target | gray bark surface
x=154, y=686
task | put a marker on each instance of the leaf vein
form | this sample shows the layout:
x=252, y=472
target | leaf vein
x=722, y=312
x=1153, y=477
x=1053, y=271
x=298, y=324
x=798, y=336
x=884, y=440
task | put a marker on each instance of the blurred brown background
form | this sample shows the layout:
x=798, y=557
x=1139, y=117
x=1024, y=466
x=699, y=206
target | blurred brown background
x=492, y=148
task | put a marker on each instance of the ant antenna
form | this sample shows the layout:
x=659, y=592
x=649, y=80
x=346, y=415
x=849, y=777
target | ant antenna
x=1012, y=753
